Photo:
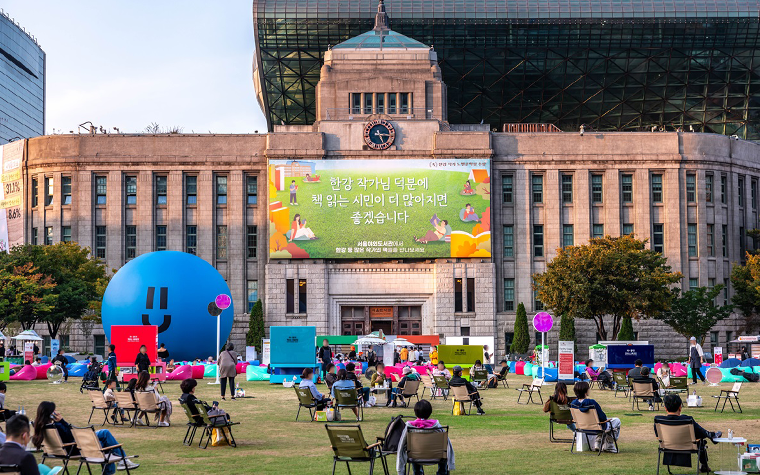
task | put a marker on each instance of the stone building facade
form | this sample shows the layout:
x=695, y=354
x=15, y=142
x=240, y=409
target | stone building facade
x=694, y=196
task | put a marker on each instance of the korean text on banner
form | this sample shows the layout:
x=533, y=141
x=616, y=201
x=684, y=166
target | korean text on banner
x=11, y=193
x=718, y=355
x=566, y=366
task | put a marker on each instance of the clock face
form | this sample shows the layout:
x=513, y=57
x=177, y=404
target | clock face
x=379, y=134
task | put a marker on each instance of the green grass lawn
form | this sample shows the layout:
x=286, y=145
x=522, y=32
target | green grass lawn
x=508, y=439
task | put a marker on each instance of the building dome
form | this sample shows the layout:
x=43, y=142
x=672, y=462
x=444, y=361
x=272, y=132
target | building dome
x=381, y=36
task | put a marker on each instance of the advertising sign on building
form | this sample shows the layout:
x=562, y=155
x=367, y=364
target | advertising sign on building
x=379, y=208
x=265, y=351
x=128, y=340
x=718, y=355
x=11, y=194
x=55, y=345
x=29, y=351
x=566, y=361
x=381, y=312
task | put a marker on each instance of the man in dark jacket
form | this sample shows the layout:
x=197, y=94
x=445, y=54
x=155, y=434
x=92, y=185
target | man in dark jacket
x=324, y=356
x=673, y=405
x=60, y=358
x=13, y=451
x=458, y=380
x=112, y=363
x=635, y=372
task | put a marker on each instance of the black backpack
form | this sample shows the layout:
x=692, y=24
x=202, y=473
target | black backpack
x=393, y=434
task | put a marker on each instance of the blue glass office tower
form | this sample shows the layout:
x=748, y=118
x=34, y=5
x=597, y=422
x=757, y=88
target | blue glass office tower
x=22, y=83
x=608, y=64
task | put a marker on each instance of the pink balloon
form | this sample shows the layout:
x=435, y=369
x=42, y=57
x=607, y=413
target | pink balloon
x=543, y=322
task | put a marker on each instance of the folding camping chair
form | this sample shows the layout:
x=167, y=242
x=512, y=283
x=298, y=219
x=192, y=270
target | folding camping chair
x=426, y=446
x=728, y=395
x=54, y=448
x=559, y=414
x=587, y=424
x=305, y=399
x=533, y=387
x=676, y=437
x=442, y=385
x=348, y=445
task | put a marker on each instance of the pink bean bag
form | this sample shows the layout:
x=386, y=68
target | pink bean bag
x=180, y=373
x=42, y=370
x=423, y=369
x=240, y=367
x=389, y=370
x=519, y=367
x=198, y=371
x=677, y=369
x=27, y=373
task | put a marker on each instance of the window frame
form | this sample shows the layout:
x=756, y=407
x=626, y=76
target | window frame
x=250, y=178
x=160, y=236
x=538, y=235
x=65, y=190
x=162, y=189
x=691, y=188
x=509, y=305
x=657, y=188
x=565, y=235
x=251, y=241
x=507, y=195
x=661, y=234
x=692, y=239
x=49, y=191
x=221, y=197
x=537, y=189
x=130, y=196
x=566, y=185
x=130, y=242
x=597, y=188
x=98, y=245
x=222, y=242
x=626, y=196
x=188, y=193
x=191, y=249
x=511, y=247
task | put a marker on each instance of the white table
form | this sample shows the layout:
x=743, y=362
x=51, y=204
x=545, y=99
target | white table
x=731, y=469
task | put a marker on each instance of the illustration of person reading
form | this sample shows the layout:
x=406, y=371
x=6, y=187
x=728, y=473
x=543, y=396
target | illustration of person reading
x=311, y=179
x=467, y=189
x=442, y=229
x=293, y=189
x=299, y=231
x=468, y=213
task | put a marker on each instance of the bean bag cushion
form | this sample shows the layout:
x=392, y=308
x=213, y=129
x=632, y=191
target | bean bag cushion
x=423, y=369
x=180, y=373
x=551, y=374
x=728, y=377
x=77, y=369
x=256, y=373
x=209, y=371
x=27, y=373
x=520, y=367
x=255, y=362
x=240, y=367
x=198, y=371
x=44, y=360
x=528, y=369
x=701, y=370
x=512, y=365
x=580, y=368
x=389, y=370
x=731, y=363
x=42, y=370
x=678, y=369
x=751, y=362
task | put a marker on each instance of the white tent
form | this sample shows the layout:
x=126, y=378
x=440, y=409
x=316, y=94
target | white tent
x=28, y=335
x=401, y=342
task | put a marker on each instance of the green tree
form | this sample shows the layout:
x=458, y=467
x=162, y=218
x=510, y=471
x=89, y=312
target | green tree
x=521, y=339
x=25, y=294
x=255, y=335
x=566, y=329
x=746, y=282
x=694, y=313
x=615, y=276
x=626, y=330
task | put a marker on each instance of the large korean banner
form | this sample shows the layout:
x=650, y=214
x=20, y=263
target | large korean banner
x=355, y=209
x=11, y=196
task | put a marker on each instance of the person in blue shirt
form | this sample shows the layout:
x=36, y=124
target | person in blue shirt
x=585, y=404
x=307, y=381
x=111, y=362
x=344, y=383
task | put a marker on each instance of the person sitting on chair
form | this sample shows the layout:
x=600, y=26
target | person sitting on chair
x=663, y=372
x=13, y=451
x=351, y=376
x=307, y=381
x=409, y=375
x=423, y=410
x=644, y=378
x=559, y=397
x=673, y=405
x=5, y=414
x=109, y=396
x=378, y=377
x=584, y=404
x=441, y=370
x=458, y=380
x=344, y=383
x=330, y=376
x=144, y=384
x=188, y=397
x=476, y=367
x=635, y=372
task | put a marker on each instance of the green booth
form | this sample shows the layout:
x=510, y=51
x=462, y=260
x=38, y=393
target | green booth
x=462, y=355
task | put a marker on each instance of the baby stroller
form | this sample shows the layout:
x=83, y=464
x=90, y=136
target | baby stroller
x=90, y=380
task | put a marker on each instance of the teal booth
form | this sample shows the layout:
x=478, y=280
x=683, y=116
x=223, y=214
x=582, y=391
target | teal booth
x=291, y=349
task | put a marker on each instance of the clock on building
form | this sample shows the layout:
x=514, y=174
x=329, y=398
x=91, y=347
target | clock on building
x=379, y=134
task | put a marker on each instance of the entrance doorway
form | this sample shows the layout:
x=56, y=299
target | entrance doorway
x=392, y=320
x=385, y=326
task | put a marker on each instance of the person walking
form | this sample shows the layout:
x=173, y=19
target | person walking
x=227, y=362
x=324, y=356
x=142, y=361
x=696, y=358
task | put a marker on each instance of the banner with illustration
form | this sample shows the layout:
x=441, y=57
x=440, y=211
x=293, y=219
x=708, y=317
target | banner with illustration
x=354, y=209
x=11, y=195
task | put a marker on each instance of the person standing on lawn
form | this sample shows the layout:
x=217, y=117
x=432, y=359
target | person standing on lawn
x=696, y=358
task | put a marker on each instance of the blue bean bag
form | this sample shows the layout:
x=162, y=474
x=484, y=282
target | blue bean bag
x=255, y=362
x=512, y=366
x=44, y=360
x=256, y=373
x=210, y=371
x=551, y=375
x=77, y=369
x=528, y=369
x=730, y=363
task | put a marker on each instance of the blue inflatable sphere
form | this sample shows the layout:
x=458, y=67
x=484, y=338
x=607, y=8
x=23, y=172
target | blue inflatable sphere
x=172, y=290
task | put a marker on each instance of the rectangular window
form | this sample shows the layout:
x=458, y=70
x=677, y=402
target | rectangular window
x=538, y=240
x=302, y=296
x=723, y=188
x=742, y=244
x=367, y=102
x=130, y=241
x=161, y=238
x=627, y=229
x=356, y=103
x=567, y=188
x=658, y=237
x=221, y=242
x=709, y=188
x=753, y=193
x=691, y=188
x=252, y=189
x=597, y=231
x=729, y=334
x=65, y=190
x=48, y=235
x=221, y=190
x=252, y=239
x=740, y=191
x=458, y=295
x=130, y=185
x=380, y=106
x=161, y=187
x=596, y=188
x=404, y=103
x=509, y=295
x=49, y=190
x=34, y=236
x=538, y=188
x=253, y=294
x=711, y=240
x=713, y=338
x=692, y=239
x=101, y=189
x=66, y=233
x=568, y=237
x=509, y=241
x=627, y=184
x=392, y=103
x=290, y=296
x=470, y=294
x=464, y=331
x=35, y=192
x=693, y=284
x=724, y=236
x=506, y=188
x=191, y=189
x=100, y=242
x=538, y=305
x=657, y=188
x=191, y=239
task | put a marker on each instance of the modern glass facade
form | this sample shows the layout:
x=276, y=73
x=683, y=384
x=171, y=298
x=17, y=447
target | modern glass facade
x=609, y=64
x=22, y=83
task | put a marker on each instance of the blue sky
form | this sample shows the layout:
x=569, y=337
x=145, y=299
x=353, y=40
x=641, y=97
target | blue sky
x=127, y=64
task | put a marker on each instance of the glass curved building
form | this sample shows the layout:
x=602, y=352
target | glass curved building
x=22, y=83
x=608, y=64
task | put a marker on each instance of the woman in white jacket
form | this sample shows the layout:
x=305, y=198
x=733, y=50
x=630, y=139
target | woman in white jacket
x=423, y=410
